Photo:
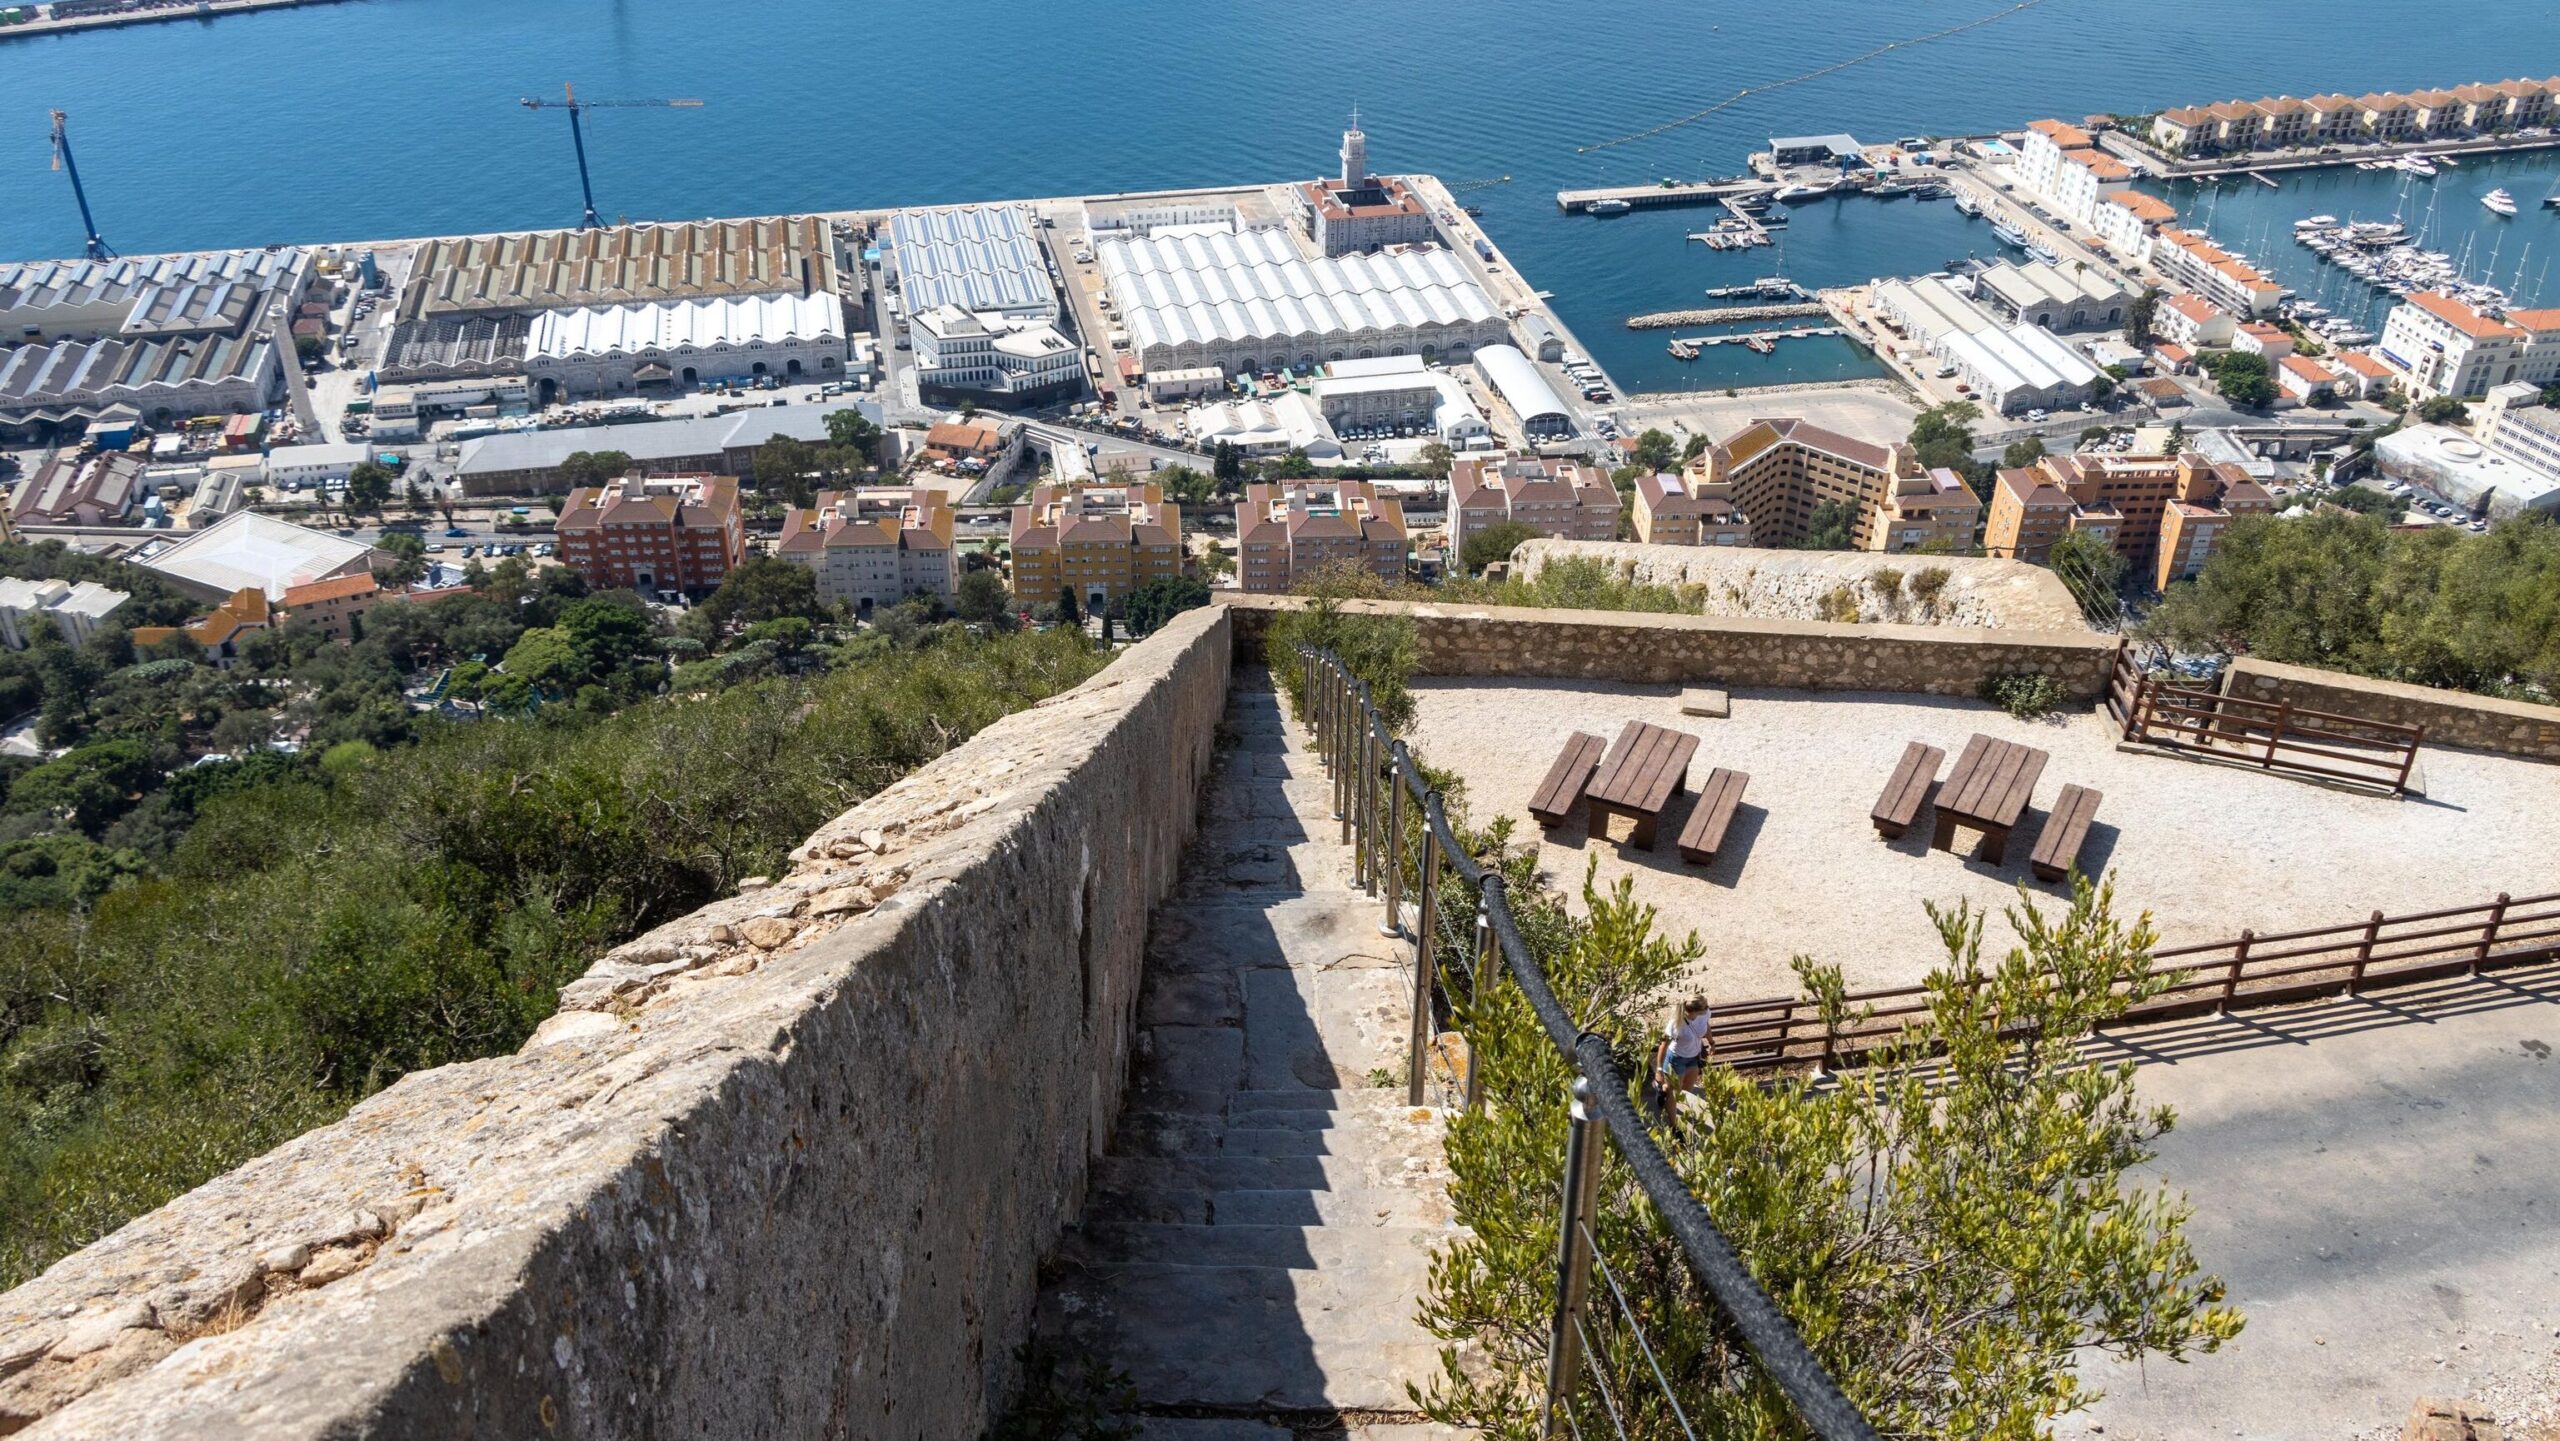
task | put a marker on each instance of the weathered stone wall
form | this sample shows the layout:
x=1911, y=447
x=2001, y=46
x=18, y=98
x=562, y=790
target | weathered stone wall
x=1727, y=580
x=1783, y=654
x=784, y=1168
x=2452, y=718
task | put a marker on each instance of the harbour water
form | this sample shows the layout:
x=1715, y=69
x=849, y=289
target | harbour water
x=381, y=118
x=2519, y=254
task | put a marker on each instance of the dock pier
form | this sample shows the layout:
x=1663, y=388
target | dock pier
x=1724, y=315
x=1661, y=195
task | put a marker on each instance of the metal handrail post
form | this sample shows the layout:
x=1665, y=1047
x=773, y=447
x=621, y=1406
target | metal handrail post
x=1485, y=961
x=1392, y=924
x=1426, y=927
x=1573, y=1258
x=1369, y=748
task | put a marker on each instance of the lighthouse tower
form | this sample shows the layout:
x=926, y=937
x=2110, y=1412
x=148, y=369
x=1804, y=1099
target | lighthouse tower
x=1355, y=155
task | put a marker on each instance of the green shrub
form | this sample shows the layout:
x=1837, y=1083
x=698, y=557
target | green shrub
x=2027, y=696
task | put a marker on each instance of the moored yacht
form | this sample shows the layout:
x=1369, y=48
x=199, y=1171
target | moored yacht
x=2499, y=201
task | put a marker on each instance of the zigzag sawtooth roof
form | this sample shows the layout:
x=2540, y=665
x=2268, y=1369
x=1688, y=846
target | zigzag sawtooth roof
x=175, y=291
x=65, y=372
x=684, y=324
x=1256, y=287
x=621, y=264
x=977, y=257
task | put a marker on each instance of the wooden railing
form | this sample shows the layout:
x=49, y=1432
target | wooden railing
x=2255, y=970
x=2274, y=736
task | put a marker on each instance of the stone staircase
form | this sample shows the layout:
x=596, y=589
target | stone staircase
x=1256, y=1240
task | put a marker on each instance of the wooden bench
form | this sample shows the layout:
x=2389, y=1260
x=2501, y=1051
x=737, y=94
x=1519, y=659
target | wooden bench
x=1899, y=806
x=1566, y=778
x=2066, y=826
x=1703, y=836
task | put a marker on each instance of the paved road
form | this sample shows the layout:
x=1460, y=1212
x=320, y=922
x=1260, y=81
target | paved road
x=2379, y=1182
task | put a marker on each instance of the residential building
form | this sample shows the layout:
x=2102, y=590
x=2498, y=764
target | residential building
x=1100, y=542
x=654, y=533
x=2183, y=130
x=336, y=606
x=2195, y=263
x=2515, y=424
x=874, y=546
x=2335, y=119
x=75, y=609
x=2042, y=150
x=2388, y=118
x=1355, y=211
x=2305, y=379
x=219, y=633
x=2284, y=123
x=2192, y=321
x=2126, y=222
x=2162, y=513
x=2383, y=118
x=2443, y=346
x=2361, y=376
x=1777, y=472
x=2259, y=338
x=1285, y=530
x=252, y=551
x=1551, y=495
x=1668, y=510
x=2237, y=126
x=76, y=488
x=961, y=441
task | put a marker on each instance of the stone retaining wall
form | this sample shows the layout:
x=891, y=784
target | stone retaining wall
x=784, y=1168
x=1729, y=651
x=2452, y=718
x=1744, y=581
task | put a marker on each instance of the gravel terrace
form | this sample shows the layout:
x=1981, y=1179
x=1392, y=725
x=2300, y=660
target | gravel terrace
x=2209, y=849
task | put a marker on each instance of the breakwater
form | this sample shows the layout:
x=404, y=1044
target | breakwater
x=1723, y=315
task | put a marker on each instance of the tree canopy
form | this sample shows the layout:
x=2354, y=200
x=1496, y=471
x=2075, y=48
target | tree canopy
x=1494, y=542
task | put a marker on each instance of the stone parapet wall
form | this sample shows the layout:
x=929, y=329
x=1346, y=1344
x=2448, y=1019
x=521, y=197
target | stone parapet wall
x=1730, y=651
x=1744, y=581
x=784, y=1168
x=2452, y=718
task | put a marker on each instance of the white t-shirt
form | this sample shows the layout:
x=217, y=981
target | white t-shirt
x=1688, y=1037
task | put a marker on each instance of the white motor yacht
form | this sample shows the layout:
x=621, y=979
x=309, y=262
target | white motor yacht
x=2499, y=201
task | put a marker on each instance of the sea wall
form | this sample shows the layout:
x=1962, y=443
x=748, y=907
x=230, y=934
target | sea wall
x=782, y=1169
x=1749, y=582
x=2452, y=718
x=1720, y=650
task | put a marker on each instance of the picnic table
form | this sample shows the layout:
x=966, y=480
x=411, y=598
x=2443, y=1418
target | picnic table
x=1647, y=766
x=1988, y=790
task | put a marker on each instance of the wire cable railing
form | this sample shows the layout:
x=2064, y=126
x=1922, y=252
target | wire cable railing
x=1374, y=783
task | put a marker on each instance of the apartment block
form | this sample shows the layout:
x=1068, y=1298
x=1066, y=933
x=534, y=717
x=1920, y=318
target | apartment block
x=2444, y=346
x=334, y=606
x=2388, y=117
x=1285, y=530
x=2162, y=513
x=2197, y=264
x=1779, y=471
x=1557, y=497
x=1671, y=511
x=1099, y=541
x=654, y=533
x=874, y=546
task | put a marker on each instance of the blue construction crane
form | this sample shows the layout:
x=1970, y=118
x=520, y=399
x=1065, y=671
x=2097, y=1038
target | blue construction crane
x=62, y=161
x=577, y=137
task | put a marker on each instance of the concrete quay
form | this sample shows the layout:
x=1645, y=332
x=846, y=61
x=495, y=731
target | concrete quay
x=148, y=15
x=1662, y=194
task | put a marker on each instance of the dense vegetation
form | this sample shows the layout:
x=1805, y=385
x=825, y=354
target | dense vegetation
x=209, y=944
x=2438, y=607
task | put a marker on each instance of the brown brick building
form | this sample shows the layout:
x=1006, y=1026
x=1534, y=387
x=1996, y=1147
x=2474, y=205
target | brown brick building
x=2162, y=513
x=680, y=533
x=1103, y=541
x=1288, y=529
x=1780, y=471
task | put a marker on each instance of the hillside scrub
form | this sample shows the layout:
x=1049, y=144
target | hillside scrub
x=321, y=930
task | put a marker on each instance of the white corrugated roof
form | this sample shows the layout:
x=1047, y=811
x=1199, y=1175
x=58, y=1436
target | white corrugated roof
x=1256, y=288
x=684, y=324
x=978, y=257
x=1518, y=383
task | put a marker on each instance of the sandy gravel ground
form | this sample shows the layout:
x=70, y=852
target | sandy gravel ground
x=2208, y=849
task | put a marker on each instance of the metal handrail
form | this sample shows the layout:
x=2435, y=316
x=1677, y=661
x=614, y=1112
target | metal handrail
x=1356, y=745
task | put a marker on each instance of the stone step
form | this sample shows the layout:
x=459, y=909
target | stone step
x=1205, y=1132
x=1243, y=1337
x=1287, y=1248
x=1214, y=1174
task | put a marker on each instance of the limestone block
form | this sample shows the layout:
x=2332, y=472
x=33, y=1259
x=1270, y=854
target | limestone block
x=1704, y=701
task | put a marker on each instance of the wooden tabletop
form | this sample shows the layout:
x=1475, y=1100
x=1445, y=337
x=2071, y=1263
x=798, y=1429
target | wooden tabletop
x=1644, y=767
x=1992, y=781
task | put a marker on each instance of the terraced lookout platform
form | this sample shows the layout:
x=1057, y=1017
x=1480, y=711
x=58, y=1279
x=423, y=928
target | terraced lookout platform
x=1260, y=1231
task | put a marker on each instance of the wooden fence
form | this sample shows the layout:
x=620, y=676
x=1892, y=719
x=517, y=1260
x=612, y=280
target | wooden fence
x=2255, y=970
x=2279, y=737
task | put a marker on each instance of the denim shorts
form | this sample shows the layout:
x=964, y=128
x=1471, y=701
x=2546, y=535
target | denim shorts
x=1680, y=1065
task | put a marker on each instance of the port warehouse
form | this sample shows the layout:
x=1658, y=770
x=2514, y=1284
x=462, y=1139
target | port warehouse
x=167, y=337
x=525, y=461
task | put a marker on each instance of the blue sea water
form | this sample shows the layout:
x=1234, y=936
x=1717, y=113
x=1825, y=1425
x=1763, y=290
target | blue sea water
x=381, y=118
